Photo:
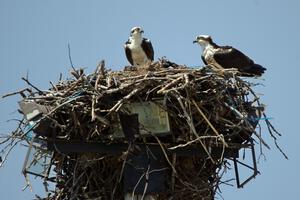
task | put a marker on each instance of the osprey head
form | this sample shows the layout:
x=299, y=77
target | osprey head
x=136, y=31
x=203, y=40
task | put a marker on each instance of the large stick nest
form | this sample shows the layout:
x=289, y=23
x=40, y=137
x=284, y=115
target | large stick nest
x=198, y=101
x=206, y=109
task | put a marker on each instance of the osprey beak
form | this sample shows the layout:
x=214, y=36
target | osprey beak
x=195, y=41
x=142, y=31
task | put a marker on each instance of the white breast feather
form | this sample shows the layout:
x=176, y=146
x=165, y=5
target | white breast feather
x=208, y=54
x=138, y=55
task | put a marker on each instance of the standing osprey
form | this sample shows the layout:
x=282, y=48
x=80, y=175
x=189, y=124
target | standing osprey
x=222, y=57
x=139, y=50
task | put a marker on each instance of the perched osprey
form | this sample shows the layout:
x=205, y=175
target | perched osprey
x=139, y=50
x=222, y=57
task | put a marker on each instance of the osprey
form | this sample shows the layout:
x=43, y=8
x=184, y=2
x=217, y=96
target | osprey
x=222, y=57
x=139, y=50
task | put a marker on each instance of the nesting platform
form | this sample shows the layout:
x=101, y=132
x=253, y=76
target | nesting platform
x=166, y=130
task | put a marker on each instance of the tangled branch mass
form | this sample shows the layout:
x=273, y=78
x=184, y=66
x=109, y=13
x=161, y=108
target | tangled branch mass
x=164, y=130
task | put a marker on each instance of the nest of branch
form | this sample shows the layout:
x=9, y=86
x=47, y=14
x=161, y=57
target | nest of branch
x=198, y=101
x=206, y=109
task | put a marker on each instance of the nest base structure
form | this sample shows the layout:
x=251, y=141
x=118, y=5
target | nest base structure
x=99, y=147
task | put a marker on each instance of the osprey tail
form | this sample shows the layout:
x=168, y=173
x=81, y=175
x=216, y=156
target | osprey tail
x=253, y=70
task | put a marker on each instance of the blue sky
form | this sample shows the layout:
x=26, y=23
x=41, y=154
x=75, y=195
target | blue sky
x=34, y=35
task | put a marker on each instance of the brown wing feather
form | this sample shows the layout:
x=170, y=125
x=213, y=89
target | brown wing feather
x=230, y=57
x=148, y=49
x=128, y=53
x=203, y=59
